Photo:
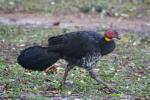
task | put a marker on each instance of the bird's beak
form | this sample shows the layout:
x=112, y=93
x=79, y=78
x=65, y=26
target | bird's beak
x=117, y=36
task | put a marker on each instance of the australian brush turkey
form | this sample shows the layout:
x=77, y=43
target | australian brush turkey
x=81, y=48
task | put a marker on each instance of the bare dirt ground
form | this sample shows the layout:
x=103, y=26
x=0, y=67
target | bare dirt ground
x=79, y=20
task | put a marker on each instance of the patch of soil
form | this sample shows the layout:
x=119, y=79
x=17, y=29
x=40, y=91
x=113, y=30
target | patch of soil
x=78, y=20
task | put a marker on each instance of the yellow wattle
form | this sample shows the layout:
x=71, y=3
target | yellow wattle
x=107, y=39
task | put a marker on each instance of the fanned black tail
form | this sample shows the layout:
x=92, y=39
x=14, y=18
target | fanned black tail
x=37, y=58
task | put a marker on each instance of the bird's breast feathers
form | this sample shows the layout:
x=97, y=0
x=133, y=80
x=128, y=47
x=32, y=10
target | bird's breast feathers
x=91, y=59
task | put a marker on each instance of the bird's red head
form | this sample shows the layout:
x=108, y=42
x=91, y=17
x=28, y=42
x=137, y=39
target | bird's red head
x=110, y=34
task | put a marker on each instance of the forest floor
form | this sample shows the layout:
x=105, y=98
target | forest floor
x=128, y=66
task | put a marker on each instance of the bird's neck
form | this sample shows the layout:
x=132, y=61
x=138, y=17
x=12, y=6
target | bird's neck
x=106, y=46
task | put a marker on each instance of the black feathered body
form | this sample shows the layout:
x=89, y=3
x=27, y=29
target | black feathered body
x=83, y=48
x=37, y=58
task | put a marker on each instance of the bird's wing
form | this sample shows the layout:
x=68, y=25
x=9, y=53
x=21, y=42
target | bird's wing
x=75, y=44
x=66, y=44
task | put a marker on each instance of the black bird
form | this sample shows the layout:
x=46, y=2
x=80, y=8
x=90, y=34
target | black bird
x=81, y=48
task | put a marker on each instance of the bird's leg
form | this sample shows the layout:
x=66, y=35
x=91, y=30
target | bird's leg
x=100, y=81
x=67, y=69
x=95, y=77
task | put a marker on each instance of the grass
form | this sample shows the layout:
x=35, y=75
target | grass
x=45, y=5
x=121, y=8
x=128, y=66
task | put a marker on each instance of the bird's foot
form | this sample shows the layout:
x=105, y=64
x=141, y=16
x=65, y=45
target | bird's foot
x=110, y=90
x=67, y=83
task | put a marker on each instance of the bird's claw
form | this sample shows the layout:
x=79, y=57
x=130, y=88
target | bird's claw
x=110, y=90
x=67, y=84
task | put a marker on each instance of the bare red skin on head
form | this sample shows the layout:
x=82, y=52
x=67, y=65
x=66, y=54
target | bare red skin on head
x=111, y=34
x=108, y=34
